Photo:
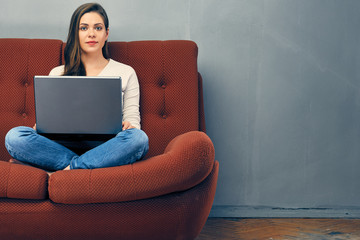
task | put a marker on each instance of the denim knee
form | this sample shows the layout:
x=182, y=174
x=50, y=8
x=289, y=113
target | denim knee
x=139, y=136
x=16, y=134
x=142, y=141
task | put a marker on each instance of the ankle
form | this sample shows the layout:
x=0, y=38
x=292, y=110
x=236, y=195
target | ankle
x=67, y=168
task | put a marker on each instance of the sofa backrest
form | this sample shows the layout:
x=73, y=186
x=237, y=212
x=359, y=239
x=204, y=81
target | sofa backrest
x=168, y=78
x=20, y=60
x=167, y=73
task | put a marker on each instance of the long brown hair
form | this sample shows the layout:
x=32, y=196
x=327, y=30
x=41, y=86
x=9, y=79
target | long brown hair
x=72, y=51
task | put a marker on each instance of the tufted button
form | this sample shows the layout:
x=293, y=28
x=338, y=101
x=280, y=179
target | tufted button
x=26, y=84
x=163, y=86
x=24, y=115
x=164, y=116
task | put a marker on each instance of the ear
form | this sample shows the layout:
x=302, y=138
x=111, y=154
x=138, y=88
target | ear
x=107, y=34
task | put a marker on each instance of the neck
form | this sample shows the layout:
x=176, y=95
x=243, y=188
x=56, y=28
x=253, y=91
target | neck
x=93, y=63
x=92, y=59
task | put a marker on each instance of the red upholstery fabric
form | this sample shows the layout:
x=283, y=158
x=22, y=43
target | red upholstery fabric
x=20, y=181
x=168, y=77
x=21, y=59
x=187, y=161
x=168, y=195
x=202, y=125
x=173, y=216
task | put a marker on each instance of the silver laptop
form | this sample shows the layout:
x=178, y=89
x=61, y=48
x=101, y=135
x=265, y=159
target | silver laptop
x=69, y=107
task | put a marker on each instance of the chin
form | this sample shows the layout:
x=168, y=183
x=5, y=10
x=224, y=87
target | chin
x=92, y=51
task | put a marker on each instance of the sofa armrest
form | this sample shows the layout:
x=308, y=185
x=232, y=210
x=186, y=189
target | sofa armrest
x=187, y=161
x=22, y=182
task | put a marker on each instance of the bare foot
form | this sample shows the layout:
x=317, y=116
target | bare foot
x=25, y=164
x=18, y=162
x=22, y=163
x=67, y=168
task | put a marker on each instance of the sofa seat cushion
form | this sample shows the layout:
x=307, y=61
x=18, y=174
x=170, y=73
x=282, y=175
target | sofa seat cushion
x=22, y=182
x=186, y=162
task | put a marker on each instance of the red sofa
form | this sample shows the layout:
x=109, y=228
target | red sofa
x=168, y=195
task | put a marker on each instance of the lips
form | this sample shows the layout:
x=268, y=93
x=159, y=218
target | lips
x=91, y=42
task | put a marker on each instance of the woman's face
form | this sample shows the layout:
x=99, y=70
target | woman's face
x=92, y=33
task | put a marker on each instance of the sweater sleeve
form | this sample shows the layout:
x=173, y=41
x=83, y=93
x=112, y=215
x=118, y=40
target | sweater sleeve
x=131, y=99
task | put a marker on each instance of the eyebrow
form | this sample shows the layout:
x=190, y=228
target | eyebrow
x=88, y=24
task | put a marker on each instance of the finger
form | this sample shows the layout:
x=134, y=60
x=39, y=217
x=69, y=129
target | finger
x=125, y=125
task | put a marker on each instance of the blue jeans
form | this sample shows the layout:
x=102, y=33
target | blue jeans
x=26, y=145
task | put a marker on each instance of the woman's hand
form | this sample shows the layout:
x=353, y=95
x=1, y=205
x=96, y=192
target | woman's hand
x=34, y=127
x=127, y=125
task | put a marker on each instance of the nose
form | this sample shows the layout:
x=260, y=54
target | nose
x=91, y=32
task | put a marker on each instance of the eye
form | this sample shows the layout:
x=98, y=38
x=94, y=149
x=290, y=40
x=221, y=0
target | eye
x=83, y=28
x=98, y=28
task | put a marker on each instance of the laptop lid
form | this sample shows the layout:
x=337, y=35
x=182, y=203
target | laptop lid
x=69, y=106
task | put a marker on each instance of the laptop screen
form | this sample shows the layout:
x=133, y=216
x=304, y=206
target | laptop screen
x=78, y=106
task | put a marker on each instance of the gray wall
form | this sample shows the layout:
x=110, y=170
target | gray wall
x=281, y=85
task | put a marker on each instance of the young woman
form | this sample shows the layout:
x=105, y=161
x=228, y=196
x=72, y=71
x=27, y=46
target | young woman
x=86, y=54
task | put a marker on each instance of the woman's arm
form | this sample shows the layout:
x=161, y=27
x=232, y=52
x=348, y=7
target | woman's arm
x=131, y=113
x=127, y=125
